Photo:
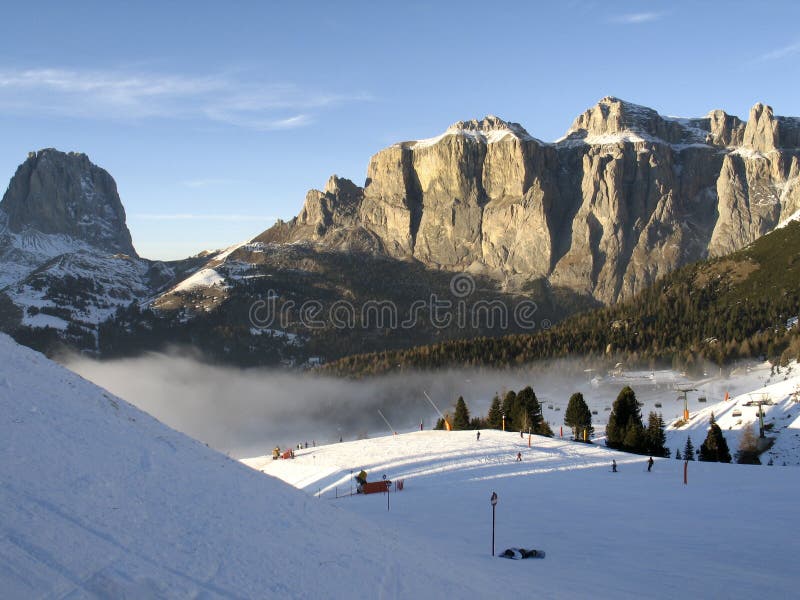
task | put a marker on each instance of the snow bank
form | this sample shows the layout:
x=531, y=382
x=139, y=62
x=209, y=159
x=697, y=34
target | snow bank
x=100, y=499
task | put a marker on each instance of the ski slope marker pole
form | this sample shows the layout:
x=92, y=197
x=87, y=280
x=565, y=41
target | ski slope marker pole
x=493, y=500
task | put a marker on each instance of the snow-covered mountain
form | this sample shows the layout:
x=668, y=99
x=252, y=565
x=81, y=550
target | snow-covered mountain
x=100, y=500
x=66, y=256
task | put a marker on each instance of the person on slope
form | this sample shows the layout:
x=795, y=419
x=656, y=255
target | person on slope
x=519, y=456
x=649, y=464
x=361, y=479
x=613, y=466
x=478, y=437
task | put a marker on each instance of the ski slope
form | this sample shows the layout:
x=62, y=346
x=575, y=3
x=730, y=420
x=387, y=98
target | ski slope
x=630, y=534
x=100, y=500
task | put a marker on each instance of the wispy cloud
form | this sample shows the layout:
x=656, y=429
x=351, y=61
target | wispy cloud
x=201, y=217
x=636, y=18
x=202, y=183
x=779, y=53
x=221, y=98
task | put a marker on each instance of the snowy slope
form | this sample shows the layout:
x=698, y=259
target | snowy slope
x=631, y=534
x=98, y=499
x=36, y=271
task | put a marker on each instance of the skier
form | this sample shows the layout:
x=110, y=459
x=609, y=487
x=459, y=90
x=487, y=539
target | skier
x=478, y=437
x=361, y=479
x=519, y=456
x=613, y=466
x=649, y=464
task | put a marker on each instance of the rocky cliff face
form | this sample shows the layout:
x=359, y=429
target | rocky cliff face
x=55, y=192
x=625, y=196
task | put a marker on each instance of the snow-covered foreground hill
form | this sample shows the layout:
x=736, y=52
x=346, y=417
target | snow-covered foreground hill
x=630, y=534
x=98, y=499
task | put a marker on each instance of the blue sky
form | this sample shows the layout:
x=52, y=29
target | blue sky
x=215, y=118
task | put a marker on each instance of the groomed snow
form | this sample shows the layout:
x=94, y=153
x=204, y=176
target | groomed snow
x=632, y=534
x=98, y=499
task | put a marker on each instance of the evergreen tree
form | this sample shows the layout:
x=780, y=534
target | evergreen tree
x=678, y=454
x=461, y=415
x=656, y=438
x=508, y=409
x=715, y=448
x=688, y=449
x=494, y=418
x=578, y=417
x=625, y=430
x=528, y=415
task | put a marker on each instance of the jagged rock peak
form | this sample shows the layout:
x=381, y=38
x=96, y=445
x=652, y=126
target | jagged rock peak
x=489, y=130
x=56, y=192
x=489, y=124
x=340, y=186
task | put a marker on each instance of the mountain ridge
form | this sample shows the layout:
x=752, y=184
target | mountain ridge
x=636, y=193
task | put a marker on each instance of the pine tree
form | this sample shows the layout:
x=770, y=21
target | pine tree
x=625, y=430
x=494, y=418
x=461, y=415
x=656, y=438
x=715, y=448
x=688, y=449
x=528, y=415
x=509, y=407
x=678, y=454
x=578, y=417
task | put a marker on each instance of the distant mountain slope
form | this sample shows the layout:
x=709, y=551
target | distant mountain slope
x=98, y=499
x=67, y=262
x=741, y=305
x=626, y=196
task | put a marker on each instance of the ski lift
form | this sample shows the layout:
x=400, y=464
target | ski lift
x=702, y=399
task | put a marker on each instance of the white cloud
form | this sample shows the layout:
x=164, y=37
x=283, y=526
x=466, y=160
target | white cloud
x=202, y=183
x=201, y=217
x=636, y=18
x=779, y=53
x=227, y=99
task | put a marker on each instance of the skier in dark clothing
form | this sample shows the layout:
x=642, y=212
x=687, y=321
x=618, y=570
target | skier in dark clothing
x=613, y=466
x=478, y=437
x=649, y=464
x=519, y=456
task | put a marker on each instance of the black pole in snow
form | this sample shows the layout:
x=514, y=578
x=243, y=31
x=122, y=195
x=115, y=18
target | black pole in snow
x=493, y=500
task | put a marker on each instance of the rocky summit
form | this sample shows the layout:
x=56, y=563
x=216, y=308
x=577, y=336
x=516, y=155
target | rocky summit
x=56, y=192
x=625, y=196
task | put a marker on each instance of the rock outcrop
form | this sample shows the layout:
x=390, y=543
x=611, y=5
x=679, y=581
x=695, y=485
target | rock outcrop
x=625, y=196
x=55, y=192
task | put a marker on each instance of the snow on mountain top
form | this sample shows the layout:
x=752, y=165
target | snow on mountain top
x=98, y=499
x=489, y=130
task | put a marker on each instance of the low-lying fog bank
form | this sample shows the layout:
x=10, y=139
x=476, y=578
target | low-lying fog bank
x=248, y=412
